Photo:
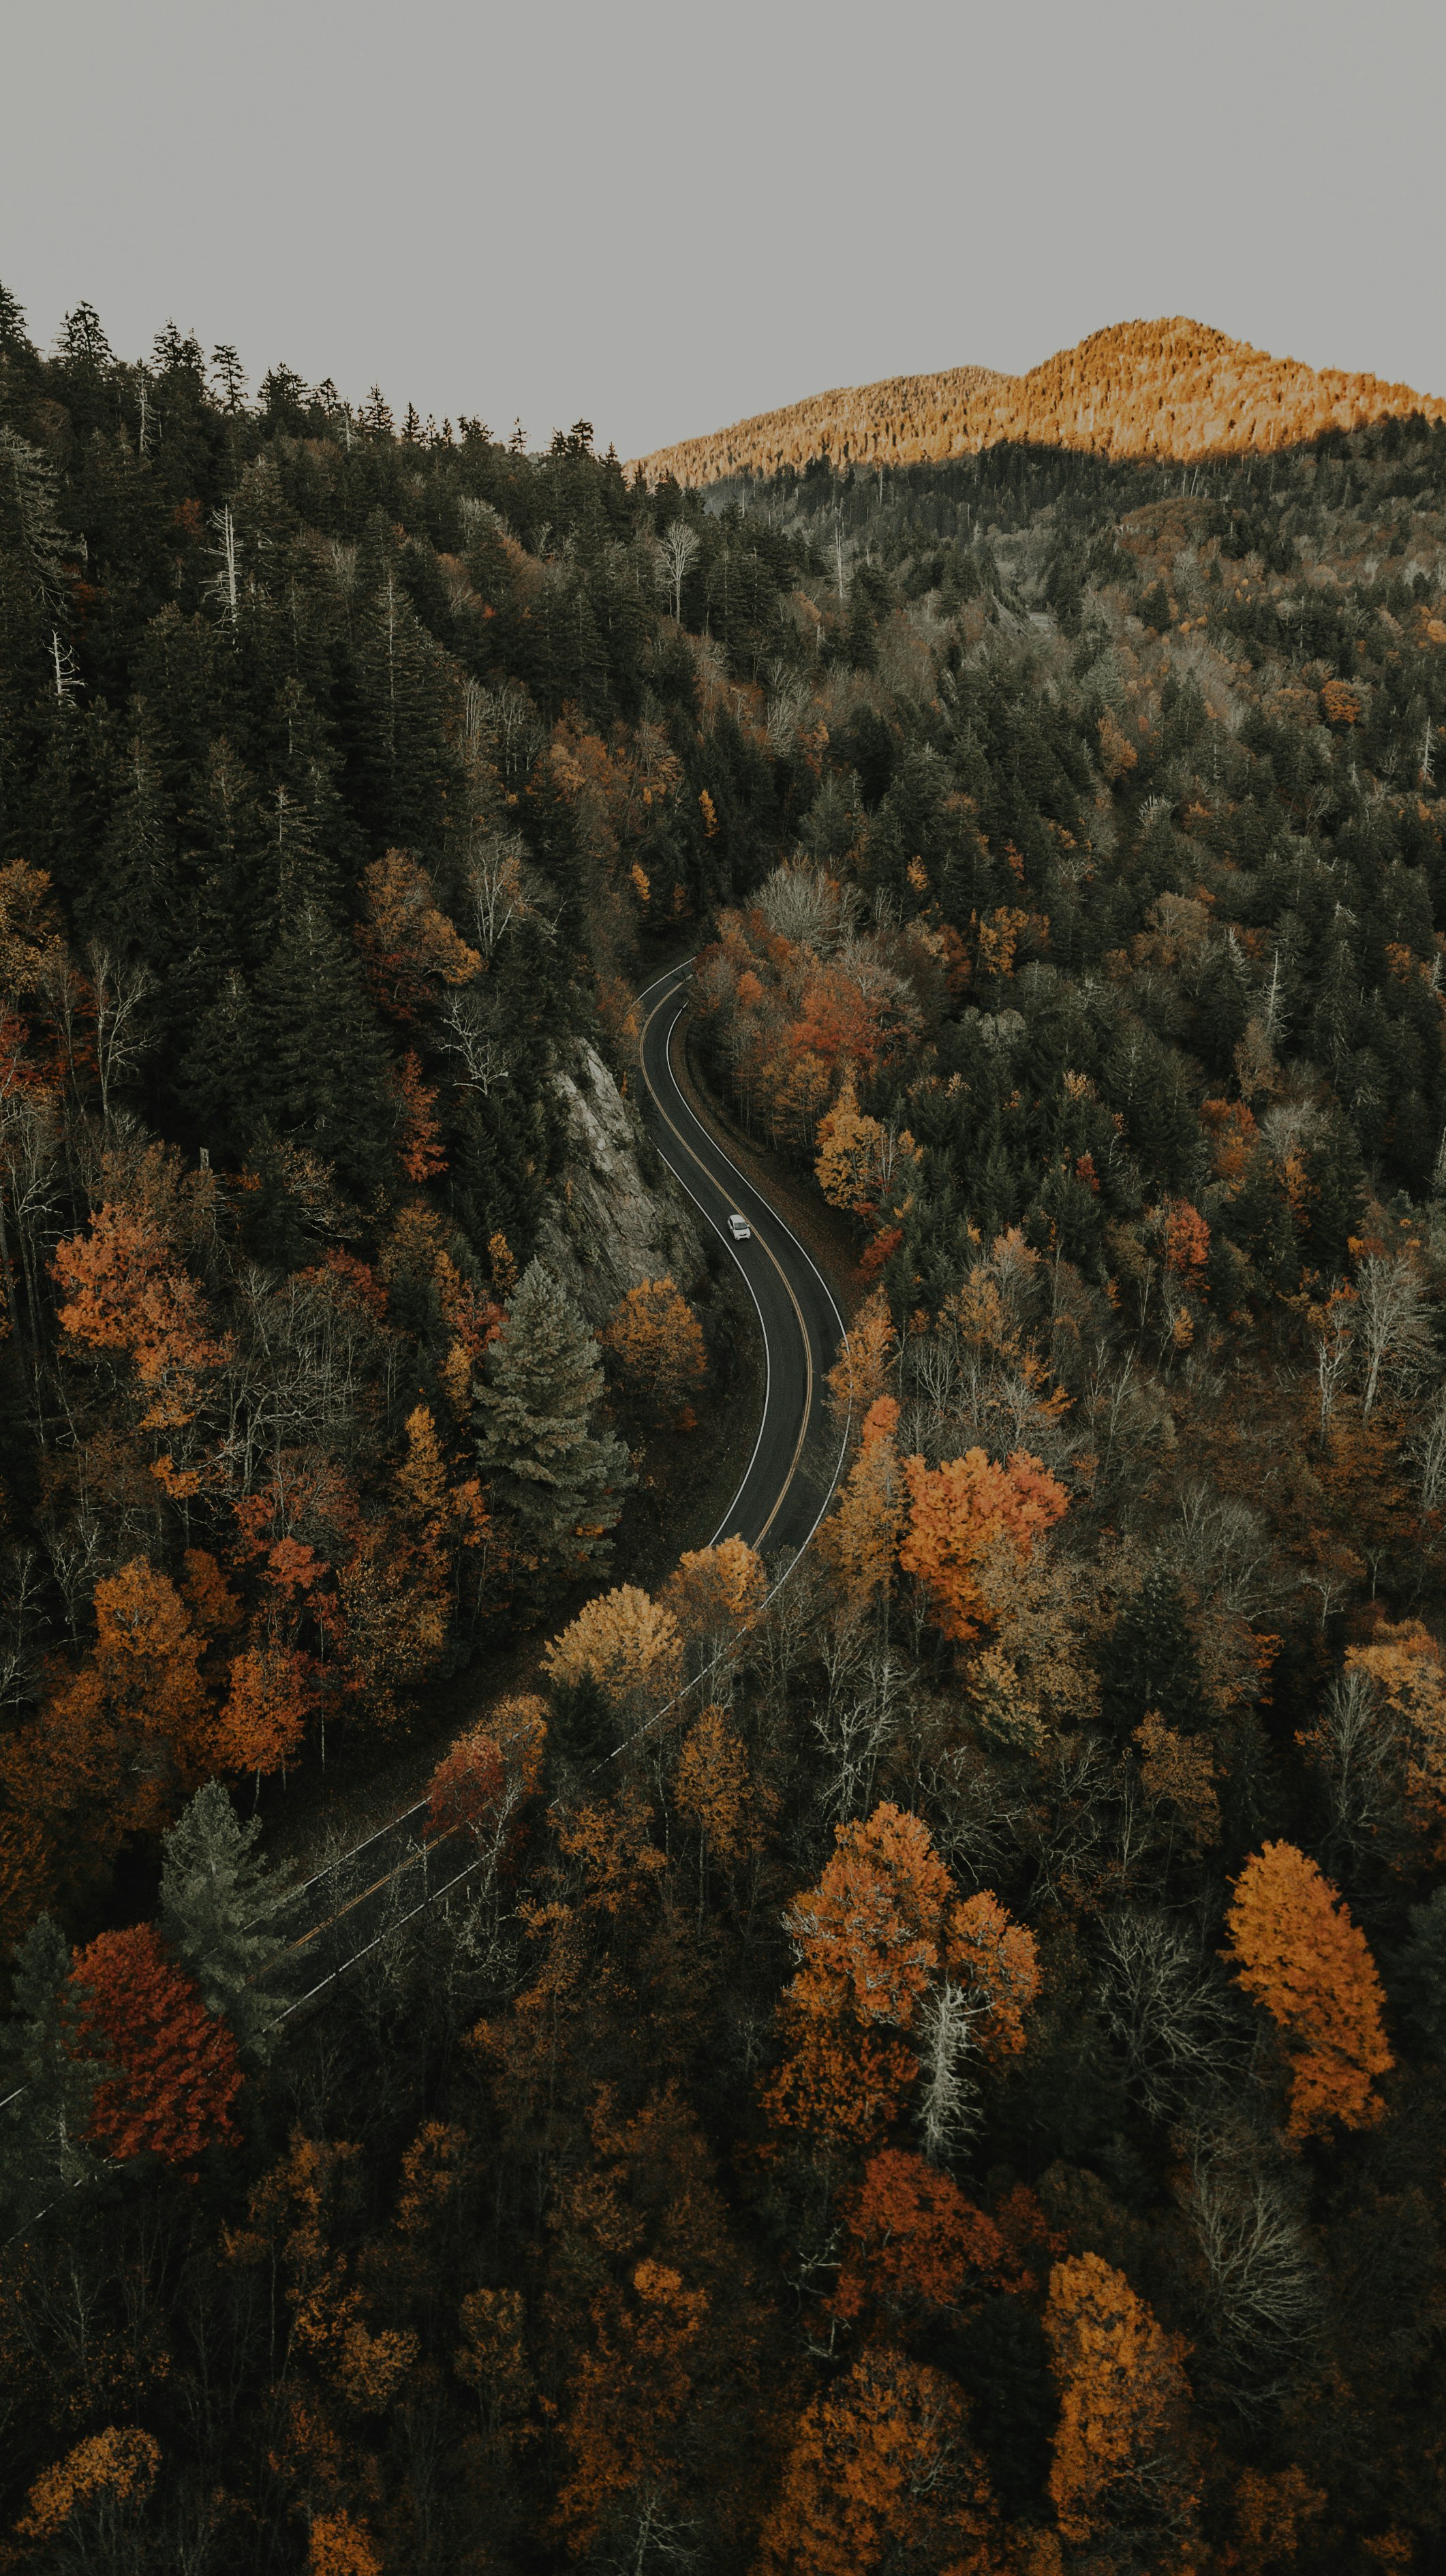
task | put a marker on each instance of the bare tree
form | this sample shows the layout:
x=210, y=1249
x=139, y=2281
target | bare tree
x=119, y=990
x=1335, y=1341
x=467, y=1026
x=1167, y=2009
x=854, y=1731
x=224, y=585
x=1264, y=2305
x=948, y=2111
x=1354, y=1741
x=1395, y=1324
x=1428, y=1447
x=494, y=885
x=680, y=547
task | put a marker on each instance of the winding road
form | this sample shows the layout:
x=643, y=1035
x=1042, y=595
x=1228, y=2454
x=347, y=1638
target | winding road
x=787, y=1486
x=790, y=1478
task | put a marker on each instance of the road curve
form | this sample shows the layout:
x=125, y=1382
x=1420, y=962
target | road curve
x=787, y=1485
x=797, y=1455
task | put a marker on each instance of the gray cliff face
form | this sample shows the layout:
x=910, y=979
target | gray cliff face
x=607, y=1227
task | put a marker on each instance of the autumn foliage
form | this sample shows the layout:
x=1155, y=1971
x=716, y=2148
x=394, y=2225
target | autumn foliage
x=482, y=1784
x=176, y=2072
x=657, y=1343
x=958, y=1511
x=1295, y=1949
x=1120, y=2451
x=881, y=1926
x=1166, y=388
x=880, y=2469
x=625, y=1642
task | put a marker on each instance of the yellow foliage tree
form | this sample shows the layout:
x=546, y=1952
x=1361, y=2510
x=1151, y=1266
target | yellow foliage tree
x=409, y=945
x=849, y=1146
x=713, y=1593
x=657, y=1343
x=861, y=1373
x=624, y=1641
x=860, y=1538
x=1405, y=1667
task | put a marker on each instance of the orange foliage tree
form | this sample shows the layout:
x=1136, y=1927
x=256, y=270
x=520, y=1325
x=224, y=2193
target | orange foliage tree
x=126, y=1288
x=483, y=1783
x=176, y=2070
x=262, y=1723
x=1121, y=2446
x=629, y=2394
x=106, y=2479
x=915, y=2243
x=1295, y=1949
x=657, y=1342
x=341, y=2546
x=408, y=944
x=117, y=1744
x=958, y=1511
x=882, y=1925
x=881, y=2472
x=419, y=1143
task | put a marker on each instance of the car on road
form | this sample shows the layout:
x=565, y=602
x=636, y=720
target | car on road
x=739, y=1228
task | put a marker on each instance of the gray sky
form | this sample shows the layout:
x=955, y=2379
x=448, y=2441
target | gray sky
x=664, y=217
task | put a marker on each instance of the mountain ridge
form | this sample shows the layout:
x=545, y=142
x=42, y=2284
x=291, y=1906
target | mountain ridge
x=1169, y=388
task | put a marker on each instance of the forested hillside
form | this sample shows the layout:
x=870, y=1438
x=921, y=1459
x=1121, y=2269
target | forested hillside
x=1149, y=389
x=938, y=2063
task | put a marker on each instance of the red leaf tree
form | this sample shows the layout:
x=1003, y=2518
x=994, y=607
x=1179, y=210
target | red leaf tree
x=175, y=2071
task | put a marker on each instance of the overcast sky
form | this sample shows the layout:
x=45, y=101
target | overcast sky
x=662, y=216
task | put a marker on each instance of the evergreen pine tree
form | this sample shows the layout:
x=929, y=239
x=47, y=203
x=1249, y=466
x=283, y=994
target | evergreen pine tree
x=1149, y=1659
x=46, y=2092
x=321, y=1058
x=218, y=1910
x=557, y=1485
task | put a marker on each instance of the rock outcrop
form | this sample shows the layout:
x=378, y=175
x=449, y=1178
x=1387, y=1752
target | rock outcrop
x=607, y=1227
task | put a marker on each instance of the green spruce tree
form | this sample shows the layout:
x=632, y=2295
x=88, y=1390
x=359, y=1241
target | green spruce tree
x=556, y=1483
x=219, y=1910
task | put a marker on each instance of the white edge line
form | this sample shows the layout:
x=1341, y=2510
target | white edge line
x=729, y=1246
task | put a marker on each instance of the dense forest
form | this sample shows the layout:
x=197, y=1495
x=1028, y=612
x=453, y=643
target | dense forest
x=940, y=2061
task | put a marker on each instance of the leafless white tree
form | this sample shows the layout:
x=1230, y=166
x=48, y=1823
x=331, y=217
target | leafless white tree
x=1264, y=2306
x=680, y=549
x=1167, y=2009
x=1395, y=1323
x=119, y=991
x=948, y=2109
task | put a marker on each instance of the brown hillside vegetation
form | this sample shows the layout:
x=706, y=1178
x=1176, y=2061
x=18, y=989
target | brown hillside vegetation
x=1169, y=388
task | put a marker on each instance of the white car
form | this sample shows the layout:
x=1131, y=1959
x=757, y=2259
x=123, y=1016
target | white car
x=739, y=1228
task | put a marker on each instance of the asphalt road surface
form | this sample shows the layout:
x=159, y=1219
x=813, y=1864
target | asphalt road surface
x=791, y=1475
